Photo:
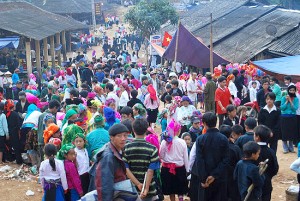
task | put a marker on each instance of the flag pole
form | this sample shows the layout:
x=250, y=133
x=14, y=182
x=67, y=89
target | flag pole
x=211, y=46
x=176, y=47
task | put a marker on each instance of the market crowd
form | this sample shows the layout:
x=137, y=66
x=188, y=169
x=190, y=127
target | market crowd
x=112, y=129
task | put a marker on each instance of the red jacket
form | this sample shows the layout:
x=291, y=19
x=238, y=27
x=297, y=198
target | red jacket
x=224, y=97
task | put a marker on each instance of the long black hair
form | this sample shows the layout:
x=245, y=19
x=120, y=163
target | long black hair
x=1, y=108
x=50, y=152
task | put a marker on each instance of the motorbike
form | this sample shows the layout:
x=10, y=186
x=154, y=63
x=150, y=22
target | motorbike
x=252, y=109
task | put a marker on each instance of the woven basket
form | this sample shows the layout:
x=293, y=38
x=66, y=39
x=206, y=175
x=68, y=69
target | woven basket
x=291, y=196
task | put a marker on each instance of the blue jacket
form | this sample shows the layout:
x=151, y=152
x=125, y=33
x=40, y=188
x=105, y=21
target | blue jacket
x=247, y=173
x=287, y=108
x=248, y=136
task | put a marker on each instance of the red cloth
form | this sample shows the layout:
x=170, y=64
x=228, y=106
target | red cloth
x=69, y=71
x=152, y=92
x=224, y=97
x=167, y=39
x=171, y=166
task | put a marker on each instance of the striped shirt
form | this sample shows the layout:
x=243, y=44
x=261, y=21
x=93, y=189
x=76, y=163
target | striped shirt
x=140, y=156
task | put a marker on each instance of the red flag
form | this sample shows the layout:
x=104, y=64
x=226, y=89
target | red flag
x=167, y=39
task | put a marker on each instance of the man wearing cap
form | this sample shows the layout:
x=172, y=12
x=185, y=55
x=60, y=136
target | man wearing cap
x=209, y=94
x=111, y=168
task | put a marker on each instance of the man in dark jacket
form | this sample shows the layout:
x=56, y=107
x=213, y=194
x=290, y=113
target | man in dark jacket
x=22, y=105
x=17, y=90
x=87, y=75
x=239, y=81
x=212, y=158
x=209, y=94
x=260, y=96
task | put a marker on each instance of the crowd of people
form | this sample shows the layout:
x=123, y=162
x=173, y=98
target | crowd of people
x=111, y=128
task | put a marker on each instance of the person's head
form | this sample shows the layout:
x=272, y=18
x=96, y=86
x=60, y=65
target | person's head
x=140, y=126
x=254, y=85
x=196, y=122
x=251, y=150
x=194, y=76
x=54, y=106
x=168, y=99
x=250, y=124
x=67, y=152
x=138, y=109
x=134, y=93
x=209, y=120
x=292, y=91
x=19, y=85
x=118, y=135
x=186, y=101
x=49, y=119
x=74, y=93
x=265, y=84
x=262, y=133
x=225, y=130
x=22, y=96
x=144, y=80
x=237, y=131
x=242, y=111
x=270, y=98
x=128, y=124
x=168, y=87
x=231, y=111
x=187, y=138
x=222, y=81
x=109, y=87
x=273, y=81
x=174, y=84
x=111, y=103
x=50, y=152
x=79, y=141
x=287, y=80
x=224, y=72
x=126, y=113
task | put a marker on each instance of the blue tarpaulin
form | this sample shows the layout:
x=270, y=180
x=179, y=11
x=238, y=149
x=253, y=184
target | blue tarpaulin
x=12, y=42
x=280, y=67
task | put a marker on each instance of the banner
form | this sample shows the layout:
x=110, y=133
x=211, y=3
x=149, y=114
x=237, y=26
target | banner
x=156, y=39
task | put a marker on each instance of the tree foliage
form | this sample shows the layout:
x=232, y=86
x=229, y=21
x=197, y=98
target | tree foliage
x=148, y=16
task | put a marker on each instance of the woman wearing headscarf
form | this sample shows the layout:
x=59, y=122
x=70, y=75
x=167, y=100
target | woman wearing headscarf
x=62, y=79
x=70, y=132
x=70, y=76
x=99, y=94
x=112, y=104
x=185, y=113
x=139, y=111
x=124, y=95
x=110, y=117
x=52, y=131
x=289, y=106
x=14, y=123
x=97, y=138
x=152, y=104
x=174, y=109
x=231, y=86
x=70, y=115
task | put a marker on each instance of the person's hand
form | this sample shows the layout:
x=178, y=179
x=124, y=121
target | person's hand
x=288, y=98
x=144, y=193
x=81, y=194
x=7, y=137
x=140, y=186
x=223, y=109
x=209, y=180
x=65, y=191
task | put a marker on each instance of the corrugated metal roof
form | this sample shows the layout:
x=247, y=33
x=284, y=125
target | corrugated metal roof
x=199, y=16
x=30, y=21
x=288, y=44
x=232, y=22
x=251, y=40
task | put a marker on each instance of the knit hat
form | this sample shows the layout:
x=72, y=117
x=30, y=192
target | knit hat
x=48, y=133
x=70, y=132
x=117, y=129
x=64, y=150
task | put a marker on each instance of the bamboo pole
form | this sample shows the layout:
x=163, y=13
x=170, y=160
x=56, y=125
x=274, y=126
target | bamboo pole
x=176, y=46
x=211, y=46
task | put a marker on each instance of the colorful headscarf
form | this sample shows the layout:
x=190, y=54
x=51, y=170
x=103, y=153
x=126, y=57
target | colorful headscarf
x=31, y=108
x=48, y=133
x=98, y=89
x=141, y=109
x=152, y=92
x=163, y=112
x=8, y=106
x=91, y=95
x=96, y=103
x=109, y=101
x=109, y=115
x=172, y=131
x=176, y=103
x=298, y=87
x=186, y=98
x=132, y=86
x=47, y=117
x=81, y=108
x=32, y=76
x=64, y=150
x=99, y=121
x=55, y=141
x=71, y=132
x=230, y=77
x=70, y=113
x=69, y=72
x=81, y=135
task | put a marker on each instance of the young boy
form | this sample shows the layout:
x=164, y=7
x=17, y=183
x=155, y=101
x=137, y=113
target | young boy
x=134, y=100
x=250, y=124
x=247, y=172
x=195, y=129
x=231, y=119
x=261, y=136
x=141, y=157
x=253, y=91
x=234, y=157
x=237, y=131
x=127, y=113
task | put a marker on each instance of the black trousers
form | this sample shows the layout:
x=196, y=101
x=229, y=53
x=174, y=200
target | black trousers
x=85, y=181
x=16, y=145
x=221, y=118
x=215, y=192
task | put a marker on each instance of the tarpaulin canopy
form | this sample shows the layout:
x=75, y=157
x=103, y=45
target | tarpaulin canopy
x=279, y=67
x=12, y=42
x=191, y=50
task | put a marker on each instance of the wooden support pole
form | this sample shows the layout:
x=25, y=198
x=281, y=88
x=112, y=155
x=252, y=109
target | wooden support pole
x=28, y=56
x=211, y=66
x=70, y=42
x=52, y=52
x=46, y=59
x=38, y=56
x=57, y=37
x=64, y=45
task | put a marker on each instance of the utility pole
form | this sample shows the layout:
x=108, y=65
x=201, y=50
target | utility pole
x=93, y=16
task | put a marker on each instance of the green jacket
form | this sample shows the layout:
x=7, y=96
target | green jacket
x=209, y=91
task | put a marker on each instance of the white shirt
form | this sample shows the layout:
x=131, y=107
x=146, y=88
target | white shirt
x=154, y=83
x=185, y=112
x=232, y=89
x=83, y=161
x=113, y=96
x=192, y=86
x=62, y=81
x=252, y=93
x=124, y=98
x=192, y=156
x=47, y=173
x=134, y=58
x=178, y=153
x=33, y=118
x=257, y=84
x=270, y=110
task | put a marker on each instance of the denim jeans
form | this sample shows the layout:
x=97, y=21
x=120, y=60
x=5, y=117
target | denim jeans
x=288, y=146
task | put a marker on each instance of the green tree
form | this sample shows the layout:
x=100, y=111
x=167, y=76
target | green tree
x=148, y=16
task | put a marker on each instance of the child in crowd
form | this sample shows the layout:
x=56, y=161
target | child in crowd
x=126, y=113
x=247, y=172
x=168, y=101
x=53, y=175
x=139, y=111
x=52, y=131
x=196, y=129
x=237, y=131
x=253, y=91
x=231, y=119
x=83, y=162
x=163, y=116
x=68, y=155
x=242, y=116
x=234, y=155
x=188, y=140
x=262, y=135
x=250, y=124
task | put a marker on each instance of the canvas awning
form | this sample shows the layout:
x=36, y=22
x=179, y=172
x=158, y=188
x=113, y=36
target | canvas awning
x=160, y=50
x=11, y=42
